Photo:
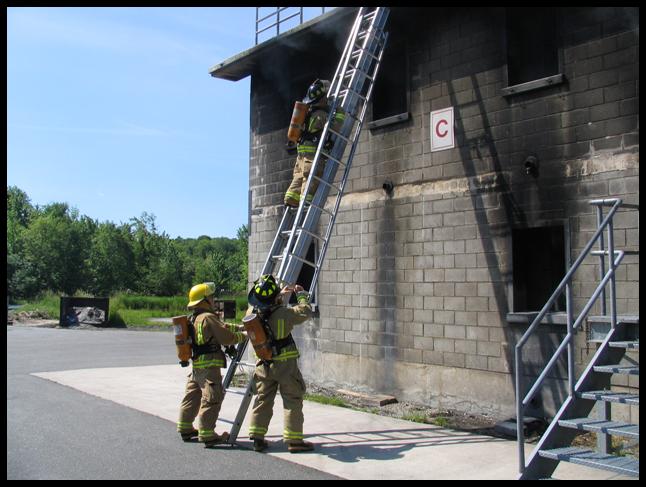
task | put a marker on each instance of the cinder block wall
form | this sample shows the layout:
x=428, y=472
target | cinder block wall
x=416, y=286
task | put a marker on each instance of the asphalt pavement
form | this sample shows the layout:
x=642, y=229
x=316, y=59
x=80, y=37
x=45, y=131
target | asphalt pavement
x=57, y=432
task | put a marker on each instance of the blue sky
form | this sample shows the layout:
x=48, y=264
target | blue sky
x=113, y=111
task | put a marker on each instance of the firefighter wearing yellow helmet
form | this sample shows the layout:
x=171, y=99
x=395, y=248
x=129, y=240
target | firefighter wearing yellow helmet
x=281, y=373
x=317, y=114
x=204, y=393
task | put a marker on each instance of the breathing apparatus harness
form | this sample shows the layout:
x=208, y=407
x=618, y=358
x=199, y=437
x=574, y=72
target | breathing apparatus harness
x=307, y=136
x=208, y=347
x=277, y=345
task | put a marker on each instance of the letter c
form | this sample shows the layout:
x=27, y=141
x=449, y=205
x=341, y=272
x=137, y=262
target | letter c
x=437, y=128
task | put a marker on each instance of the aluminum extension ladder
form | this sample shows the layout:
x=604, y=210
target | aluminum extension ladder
x=351, y=90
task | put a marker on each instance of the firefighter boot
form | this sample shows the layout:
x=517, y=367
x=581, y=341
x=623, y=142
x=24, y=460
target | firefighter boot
x=216, y=440
x=300, y=446
x=189, y=435
x=260, y=445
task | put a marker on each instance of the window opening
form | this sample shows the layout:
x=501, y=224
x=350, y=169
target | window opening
x=539, y=266
x=532, y=48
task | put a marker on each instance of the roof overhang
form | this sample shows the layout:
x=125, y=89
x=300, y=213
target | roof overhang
x=245, y=63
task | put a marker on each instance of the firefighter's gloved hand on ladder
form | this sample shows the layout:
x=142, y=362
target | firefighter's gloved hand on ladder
x=302, y=296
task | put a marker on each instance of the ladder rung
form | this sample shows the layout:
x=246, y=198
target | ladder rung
x=311, y=234
x=354, y=70
x=235, y=391
x=369, y=15
x=353, y=116
x=326, y=183
x=246, y=364
x=357, y=53
x=320, y=208
x=348, y=90
x=328, y=156
x=277, y=257
x=334, y=132
x=304, y=261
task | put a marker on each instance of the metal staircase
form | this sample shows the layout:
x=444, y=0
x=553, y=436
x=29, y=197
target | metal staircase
x=593, y=387
x=350, y=90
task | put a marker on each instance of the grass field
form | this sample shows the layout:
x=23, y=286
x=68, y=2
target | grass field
x=132, y=310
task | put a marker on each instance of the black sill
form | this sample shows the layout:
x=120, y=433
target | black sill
x=388, y=120
x=536, y=84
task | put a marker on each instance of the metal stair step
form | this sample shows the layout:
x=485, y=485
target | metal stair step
x=600, y=326
x=610, y=396
x=628, y=345
x=615, y=428
x=583, y=456
x=617, y=369
x=626, y=319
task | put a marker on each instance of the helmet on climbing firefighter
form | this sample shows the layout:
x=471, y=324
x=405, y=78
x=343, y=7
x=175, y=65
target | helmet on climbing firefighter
x=200, y=292
x=264, y=291
x=316, y=91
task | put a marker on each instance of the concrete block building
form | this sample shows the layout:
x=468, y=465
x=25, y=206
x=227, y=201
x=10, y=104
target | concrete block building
x=426, y=288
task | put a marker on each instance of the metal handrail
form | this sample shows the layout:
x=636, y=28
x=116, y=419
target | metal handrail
x=278, y=19
x=572, y=325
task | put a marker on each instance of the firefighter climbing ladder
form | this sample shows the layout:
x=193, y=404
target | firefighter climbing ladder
x=350, y=90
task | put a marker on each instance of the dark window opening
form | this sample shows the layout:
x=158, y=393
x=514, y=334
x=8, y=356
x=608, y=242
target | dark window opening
x=532, y=48
x=539, y=267
x=390, y=92
x=307, y=274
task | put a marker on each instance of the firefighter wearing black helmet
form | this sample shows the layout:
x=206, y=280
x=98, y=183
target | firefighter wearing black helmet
x=281, y=373
x=317, y=99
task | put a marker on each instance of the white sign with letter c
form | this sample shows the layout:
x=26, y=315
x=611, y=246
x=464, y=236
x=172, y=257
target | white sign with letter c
x=442, y=133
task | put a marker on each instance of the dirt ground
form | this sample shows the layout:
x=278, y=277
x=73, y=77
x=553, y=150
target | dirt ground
x=31, y=318
x=416, y=412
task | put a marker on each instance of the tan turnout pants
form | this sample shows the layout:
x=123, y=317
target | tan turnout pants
x=302, y=169
x=286, y=377
x=203, y=399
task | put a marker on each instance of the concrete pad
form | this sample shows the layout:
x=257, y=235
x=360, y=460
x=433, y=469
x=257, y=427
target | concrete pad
x=350, y=444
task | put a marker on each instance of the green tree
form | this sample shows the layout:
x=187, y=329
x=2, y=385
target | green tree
x=166, y=275
x=242, y=259
x=147, y=249
x=111, y=260
x=54, y=248
x=19, y=207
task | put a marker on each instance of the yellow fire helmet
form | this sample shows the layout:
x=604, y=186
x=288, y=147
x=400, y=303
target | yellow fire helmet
x=200, y=292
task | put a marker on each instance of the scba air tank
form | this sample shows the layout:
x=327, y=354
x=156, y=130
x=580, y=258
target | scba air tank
x=183, y=341
x=296, y=125
x=256, y=333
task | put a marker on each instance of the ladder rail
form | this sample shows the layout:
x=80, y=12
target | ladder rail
x=297, y=245
x=287, y=274
x=268, y=265
x=337, y=202
x=307, y=214
x=565, y=285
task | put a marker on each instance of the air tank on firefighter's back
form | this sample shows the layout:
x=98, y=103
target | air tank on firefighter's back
x=257, y=336
x=296, y=125
x=182, y=339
